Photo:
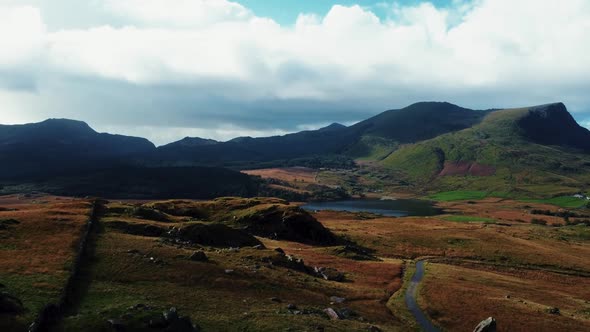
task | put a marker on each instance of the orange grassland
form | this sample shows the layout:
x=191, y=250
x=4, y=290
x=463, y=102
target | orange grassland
x=287, y=174
x=36, y=254
x=475, y=265
x=506, y=267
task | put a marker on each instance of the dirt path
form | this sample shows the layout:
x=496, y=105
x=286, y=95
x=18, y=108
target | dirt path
x=412, y=304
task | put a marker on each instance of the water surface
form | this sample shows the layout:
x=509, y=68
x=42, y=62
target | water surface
x=389, y=208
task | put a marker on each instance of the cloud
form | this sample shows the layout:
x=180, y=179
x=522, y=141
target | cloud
x=214, y=64
x=180, y=13
x=22, y=34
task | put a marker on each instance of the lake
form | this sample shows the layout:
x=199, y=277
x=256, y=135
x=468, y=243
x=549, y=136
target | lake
x=389, y=208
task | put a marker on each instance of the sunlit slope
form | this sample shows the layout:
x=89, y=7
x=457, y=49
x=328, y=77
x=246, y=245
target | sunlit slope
x=531, y=151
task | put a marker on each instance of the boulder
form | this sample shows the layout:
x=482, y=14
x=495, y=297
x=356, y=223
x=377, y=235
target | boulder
x=329, y=274
x=170, y=315
x=215, y=235
x=332, y=314
x=336, y=299
x=199, y=256
x=487, y=325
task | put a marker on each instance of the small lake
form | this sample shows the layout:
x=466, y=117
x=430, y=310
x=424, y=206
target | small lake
x=389, y=208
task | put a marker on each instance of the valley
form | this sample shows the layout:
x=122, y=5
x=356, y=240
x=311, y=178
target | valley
x=321, y=230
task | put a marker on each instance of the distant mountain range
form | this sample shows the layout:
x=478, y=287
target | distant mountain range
x=427, y=143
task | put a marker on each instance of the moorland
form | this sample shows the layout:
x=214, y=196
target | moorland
x=104, y=232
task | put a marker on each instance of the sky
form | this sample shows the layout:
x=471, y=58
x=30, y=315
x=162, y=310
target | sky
x=166, y=69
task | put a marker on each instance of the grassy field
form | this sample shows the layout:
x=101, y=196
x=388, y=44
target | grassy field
x=37, y=252
x=459, y=195
x=568, y=202
x=124, y=274
x=469, y=219
x=474, y=265
x=518, y=300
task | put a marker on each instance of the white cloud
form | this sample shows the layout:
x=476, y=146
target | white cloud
x=181, y=13
x=22, y=35
x=482, y=53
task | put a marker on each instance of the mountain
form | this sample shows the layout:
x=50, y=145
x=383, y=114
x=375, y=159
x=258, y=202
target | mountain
x=524, y=151
x=428, y=146
x=419, y=121
x=387, y=130
x=190, y=142
x=248, y=150
x=59, y=146
x=553, y=125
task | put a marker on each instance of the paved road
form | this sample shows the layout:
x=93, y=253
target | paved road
x=410, y=299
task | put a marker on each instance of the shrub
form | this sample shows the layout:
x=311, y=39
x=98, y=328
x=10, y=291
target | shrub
x=541, y=222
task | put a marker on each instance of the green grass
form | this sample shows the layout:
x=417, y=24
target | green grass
x=562, y=201
x=459, y=195
x=372, y=148
x=420, y=162
x=469, y=219
x=568, y=202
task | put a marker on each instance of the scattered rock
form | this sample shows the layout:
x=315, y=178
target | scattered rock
x=150, y=214
x=229, y=271
x=258, y=247
x=287, y=261
x=336, y=299
x=171, y=315
x=198, y=256
x=329, y=274
x=553, y=311
x=373, y=328
x=487, y=325
x=332, y=314
x=508, y=296
x=291, y=307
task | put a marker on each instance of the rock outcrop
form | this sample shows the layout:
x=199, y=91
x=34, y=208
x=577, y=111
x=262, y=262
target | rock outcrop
x=487, y=325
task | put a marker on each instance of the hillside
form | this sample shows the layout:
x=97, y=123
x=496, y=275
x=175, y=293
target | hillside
x=528, y=151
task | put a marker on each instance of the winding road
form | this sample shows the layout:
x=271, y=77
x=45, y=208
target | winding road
x=412, y=304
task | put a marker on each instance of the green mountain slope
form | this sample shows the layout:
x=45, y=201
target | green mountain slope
x=535, y=151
